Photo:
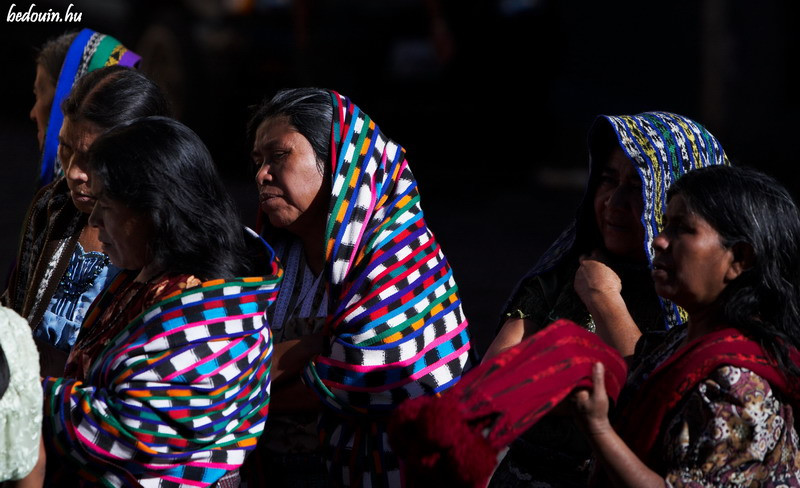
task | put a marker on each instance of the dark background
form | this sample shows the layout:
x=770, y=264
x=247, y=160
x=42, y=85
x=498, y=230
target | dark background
x=492, y=100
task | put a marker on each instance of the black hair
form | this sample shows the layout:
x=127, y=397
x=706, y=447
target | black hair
x=52, y=54
x=309, y=110
x=5, y=374
x=114, y=94
x=160, y=168
x=746, y=206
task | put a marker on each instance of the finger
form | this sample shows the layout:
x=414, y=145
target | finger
x=598, y=380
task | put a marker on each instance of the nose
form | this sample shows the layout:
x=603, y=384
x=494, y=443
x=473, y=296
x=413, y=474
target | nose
x=263, y=176
x=660, y=243
x=75, y=171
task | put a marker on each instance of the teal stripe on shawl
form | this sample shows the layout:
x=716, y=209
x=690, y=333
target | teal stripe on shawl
x=89, y=51
x=164, y=405
x=392, y=339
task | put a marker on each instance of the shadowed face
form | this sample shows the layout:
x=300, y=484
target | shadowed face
x=618, y=208
x=691, y=266
x=290, y=185
x=74, y=142
x=44, y=90
x=123, y=232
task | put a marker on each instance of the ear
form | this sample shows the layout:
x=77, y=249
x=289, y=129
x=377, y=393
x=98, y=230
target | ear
x=743, y=259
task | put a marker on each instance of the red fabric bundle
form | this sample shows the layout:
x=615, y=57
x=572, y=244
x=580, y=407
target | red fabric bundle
x=453, y=439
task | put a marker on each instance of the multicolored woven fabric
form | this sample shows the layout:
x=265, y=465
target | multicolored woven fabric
x=662, y=146
x=395, y=318
x=89, y=51
x=179, y=397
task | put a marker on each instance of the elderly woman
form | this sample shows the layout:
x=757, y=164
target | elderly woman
x=368, y=313
x=60, y=267
x=168, y=383
x=59, y=65
x=597, y=274
x=714, y=404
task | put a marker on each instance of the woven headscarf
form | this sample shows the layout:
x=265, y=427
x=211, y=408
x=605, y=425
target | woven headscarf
x=89, y=51
x=662, y=147
x=395, y=319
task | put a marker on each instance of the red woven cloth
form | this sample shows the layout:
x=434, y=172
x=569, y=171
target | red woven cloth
x=453, y=439
x=681, y=373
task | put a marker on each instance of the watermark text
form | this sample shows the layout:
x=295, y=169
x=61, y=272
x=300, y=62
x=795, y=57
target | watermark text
x=32, y=15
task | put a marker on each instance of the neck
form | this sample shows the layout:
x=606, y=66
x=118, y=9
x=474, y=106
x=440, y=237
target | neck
x=314, y=249
x=702, y=322
x=89, y=239
x=147, y=273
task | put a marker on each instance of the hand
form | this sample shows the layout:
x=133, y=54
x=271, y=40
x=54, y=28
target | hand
x=591, y=407
x=595, y=280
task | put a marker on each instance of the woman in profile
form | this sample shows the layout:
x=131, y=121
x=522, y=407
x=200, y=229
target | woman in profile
x=168, y=382
x=60, y=267
x=597, y=273
x=715, y=404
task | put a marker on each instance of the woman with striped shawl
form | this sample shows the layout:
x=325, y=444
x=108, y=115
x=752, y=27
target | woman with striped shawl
x=168, y=382
x=368, y=314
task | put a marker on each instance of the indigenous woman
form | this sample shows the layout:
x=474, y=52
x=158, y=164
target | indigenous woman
x=60, y=266
x=633, y=161
x=168, y=383
x=368, y=313
x=714, y=403
x=60, y=63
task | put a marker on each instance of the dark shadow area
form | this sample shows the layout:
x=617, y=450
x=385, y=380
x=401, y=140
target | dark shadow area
x=492, y=100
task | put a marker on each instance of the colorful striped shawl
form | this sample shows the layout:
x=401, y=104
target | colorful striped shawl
x=662, y=147
x=89, y=51
x=178, y=397
x=395, y=317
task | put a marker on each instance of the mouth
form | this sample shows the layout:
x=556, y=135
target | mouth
x=266, y=197
x=83, y=197
x=659, y=270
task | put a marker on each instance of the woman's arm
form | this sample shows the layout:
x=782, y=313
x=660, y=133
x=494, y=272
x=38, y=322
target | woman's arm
x=621, y=465
x=512, y=333
x=599, y=287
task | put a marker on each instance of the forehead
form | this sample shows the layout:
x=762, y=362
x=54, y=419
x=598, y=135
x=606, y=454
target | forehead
x=43, y=79
x=272, y=129
x=80, y=135
x=620, y=163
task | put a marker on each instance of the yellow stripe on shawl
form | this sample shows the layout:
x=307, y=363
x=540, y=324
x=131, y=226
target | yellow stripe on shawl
x=692, y=140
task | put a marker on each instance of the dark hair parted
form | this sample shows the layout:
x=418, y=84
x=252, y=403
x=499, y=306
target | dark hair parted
x=52, y=54
x=113, y=95
x=746, y=206
x=309, y=110
x=161, y=169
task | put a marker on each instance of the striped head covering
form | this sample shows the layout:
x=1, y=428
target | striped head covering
x=89, y=51
x=395, y=319
x=663, y=147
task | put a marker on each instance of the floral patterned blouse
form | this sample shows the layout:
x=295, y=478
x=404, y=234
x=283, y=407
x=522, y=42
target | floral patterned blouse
x=732, y=431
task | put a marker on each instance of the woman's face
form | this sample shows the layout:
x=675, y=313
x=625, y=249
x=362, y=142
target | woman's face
x=289, y=182
x=124, y=233
x=691, y=266
x=44, y=90
x=74, y=142
x=618, y=207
